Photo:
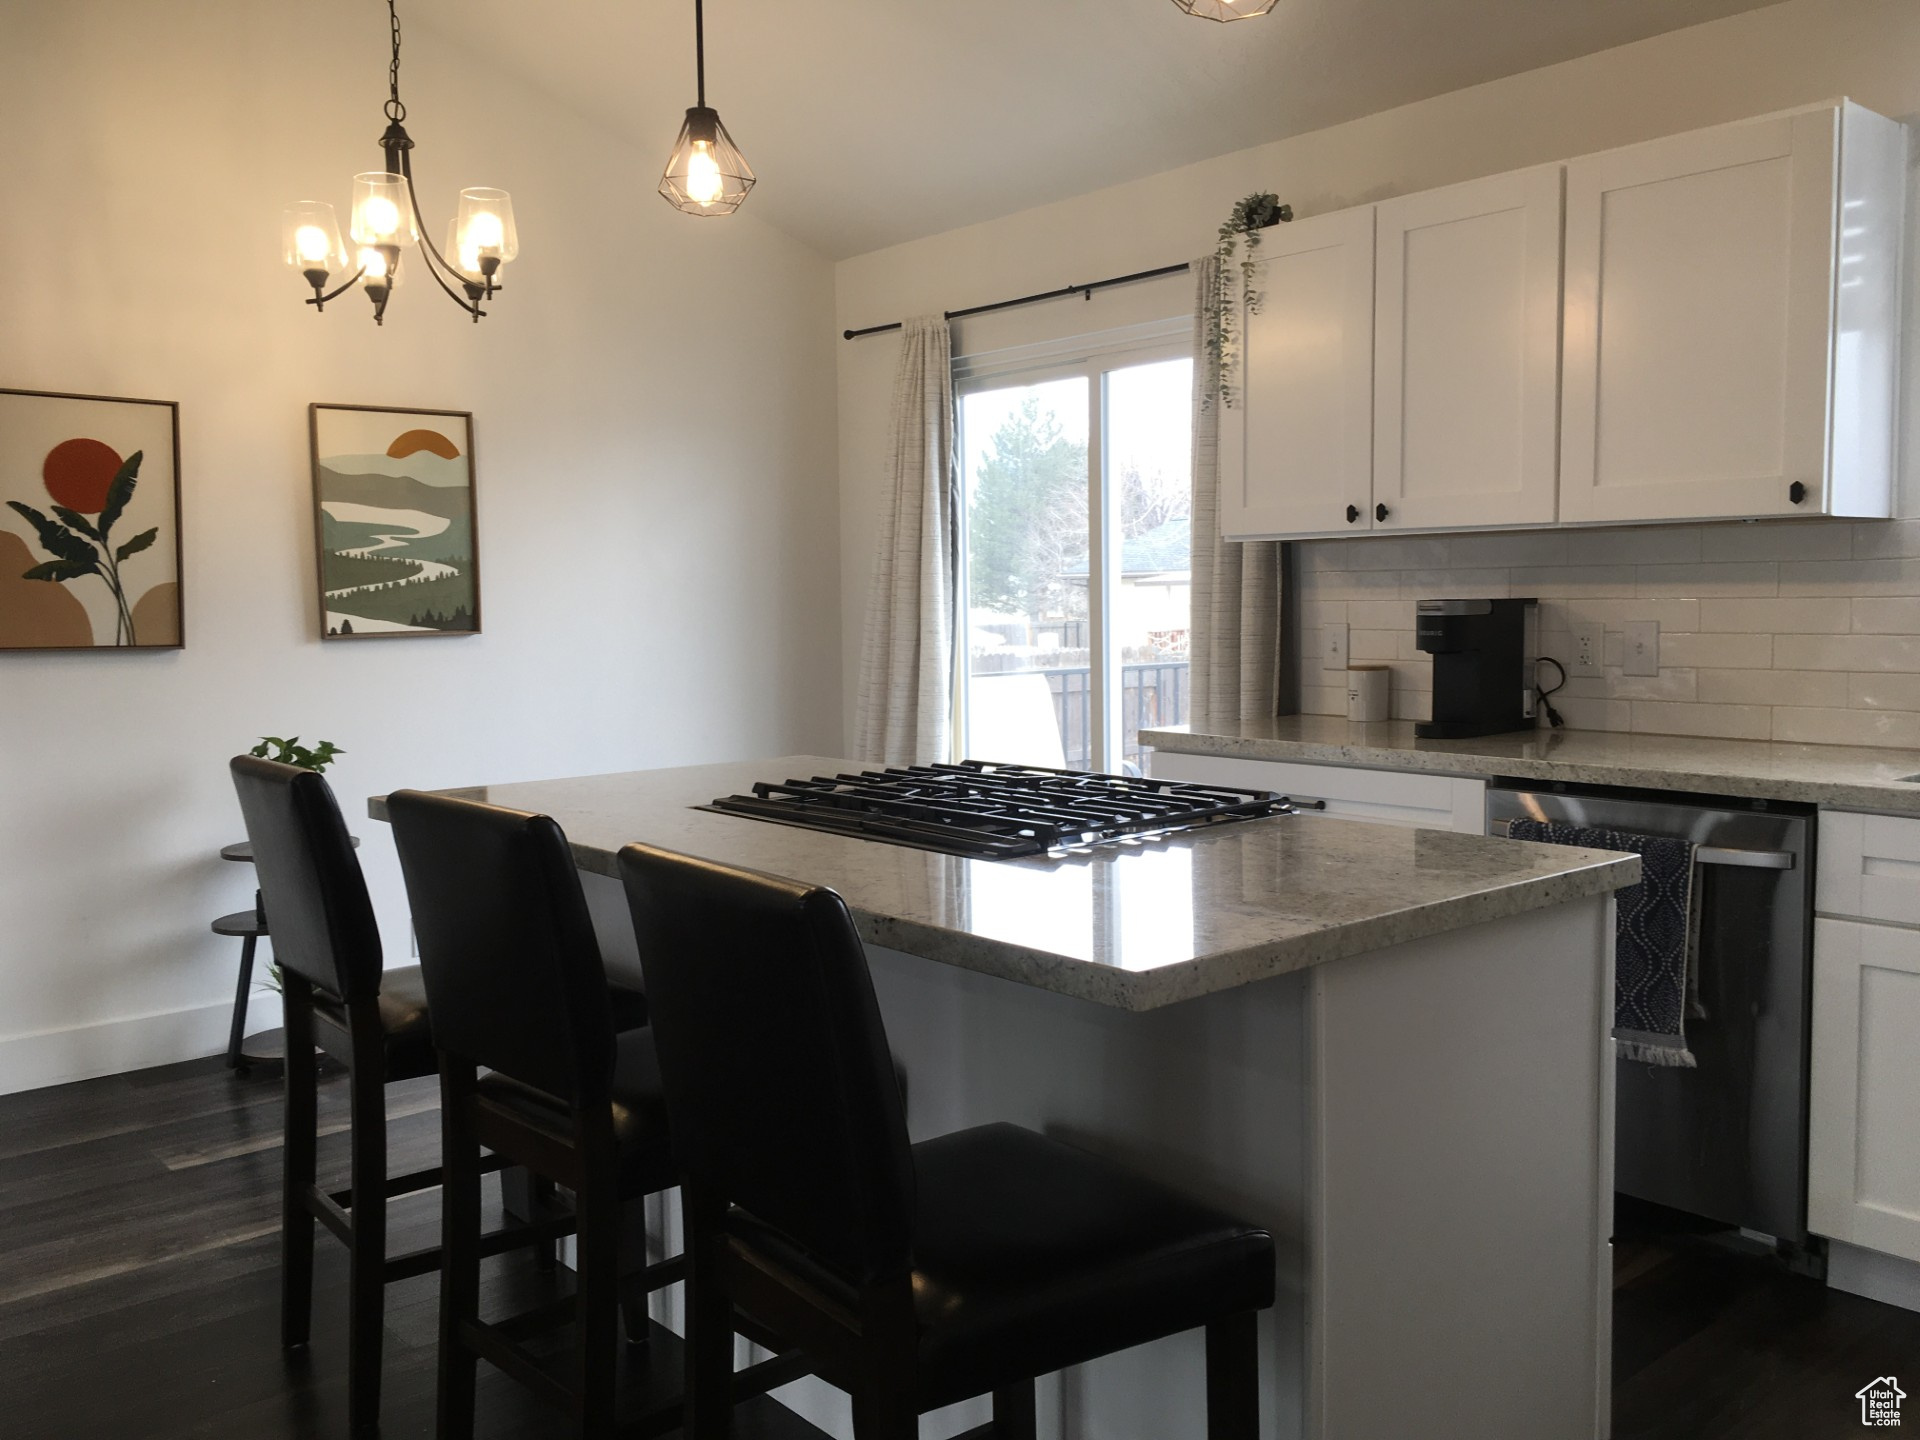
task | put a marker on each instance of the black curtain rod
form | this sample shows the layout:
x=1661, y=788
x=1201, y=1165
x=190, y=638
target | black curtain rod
x=1281, y=216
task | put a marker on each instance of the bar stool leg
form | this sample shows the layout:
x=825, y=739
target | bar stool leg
x=296, y=1218
x=459, y=1252
x=709, y=1352
x=367, y=1263
x=240, y=995
x=1233, y=1378
x=1013, y=1413
x=597, y=1296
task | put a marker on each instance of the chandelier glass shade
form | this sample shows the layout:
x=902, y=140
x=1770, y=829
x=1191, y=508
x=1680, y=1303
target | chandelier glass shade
x=706, y=174
x=1226, y=9
x=385, y=223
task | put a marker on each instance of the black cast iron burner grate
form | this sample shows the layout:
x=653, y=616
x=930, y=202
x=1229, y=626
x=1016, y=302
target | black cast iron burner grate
x=999, y=812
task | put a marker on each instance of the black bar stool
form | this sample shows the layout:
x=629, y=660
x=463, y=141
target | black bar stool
x=372, y=1021
x=514, y=974
x=913, y=1276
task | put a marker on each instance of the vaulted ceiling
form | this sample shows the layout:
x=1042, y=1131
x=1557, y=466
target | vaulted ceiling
x=876, y=121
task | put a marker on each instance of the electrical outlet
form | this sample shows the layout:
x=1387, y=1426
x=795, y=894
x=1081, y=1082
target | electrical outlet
x=1589, y=649
x=1643, y=647
x=1333, y=647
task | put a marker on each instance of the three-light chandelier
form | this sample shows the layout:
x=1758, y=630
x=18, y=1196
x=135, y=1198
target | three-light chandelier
x=386, y=222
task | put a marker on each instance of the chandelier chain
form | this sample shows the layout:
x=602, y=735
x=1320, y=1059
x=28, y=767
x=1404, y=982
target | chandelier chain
x=396, y=111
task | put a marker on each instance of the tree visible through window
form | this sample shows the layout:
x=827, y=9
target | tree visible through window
x=1066, y=661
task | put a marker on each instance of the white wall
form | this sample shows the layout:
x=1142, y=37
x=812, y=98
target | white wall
x=1764, y=60
x=654, y=449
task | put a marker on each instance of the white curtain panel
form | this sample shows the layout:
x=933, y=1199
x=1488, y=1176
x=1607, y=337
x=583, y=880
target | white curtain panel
x=904, y=705
x=1238, y=586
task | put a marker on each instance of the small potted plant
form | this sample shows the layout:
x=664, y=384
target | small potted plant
x=291, y=752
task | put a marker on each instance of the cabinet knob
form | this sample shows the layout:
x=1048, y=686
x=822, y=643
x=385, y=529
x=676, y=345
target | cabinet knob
x=1353, y=514
x=1380, y=511
x=1797, y=492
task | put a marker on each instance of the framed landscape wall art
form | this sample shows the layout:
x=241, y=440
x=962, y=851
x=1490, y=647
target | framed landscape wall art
x=89, y=523
x=394, y=522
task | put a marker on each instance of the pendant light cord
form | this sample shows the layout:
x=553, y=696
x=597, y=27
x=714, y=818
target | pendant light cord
x=699, y=49
x=396, y=112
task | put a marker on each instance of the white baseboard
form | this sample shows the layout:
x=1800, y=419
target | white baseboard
x=113, y=1047
x=1891, y=1279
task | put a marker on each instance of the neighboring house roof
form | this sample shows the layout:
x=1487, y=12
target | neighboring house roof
x=1168, y=546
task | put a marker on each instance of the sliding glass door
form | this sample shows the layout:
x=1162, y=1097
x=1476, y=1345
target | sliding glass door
x=1074, y=613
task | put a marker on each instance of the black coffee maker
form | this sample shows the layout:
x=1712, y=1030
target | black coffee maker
x=1483, y=658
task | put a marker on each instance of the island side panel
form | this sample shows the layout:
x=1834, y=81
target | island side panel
x=1461, y=1153
x=1207, y=1095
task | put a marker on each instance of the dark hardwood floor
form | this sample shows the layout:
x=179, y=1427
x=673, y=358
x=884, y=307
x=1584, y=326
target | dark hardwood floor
x=139, y=1292
x=139, y=1273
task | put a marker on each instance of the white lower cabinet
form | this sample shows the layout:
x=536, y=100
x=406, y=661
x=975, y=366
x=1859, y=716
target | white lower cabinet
x=1864, y=1128
x=1388, y=797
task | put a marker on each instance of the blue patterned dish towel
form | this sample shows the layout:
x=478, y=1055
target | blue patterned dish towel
x=1657, y=942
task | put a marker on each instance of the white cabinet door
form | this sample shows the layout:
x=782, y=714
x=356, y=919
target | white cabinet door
x=1466, y=417
x=1706, y=323
x=1863, y=1183
x=1342, y=792
x=1296, y=446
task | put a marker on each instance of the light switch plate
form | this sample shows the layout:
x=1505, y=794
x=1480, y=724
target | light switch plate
x=1643, y=647
x=1589, y=656
x=1333, y=647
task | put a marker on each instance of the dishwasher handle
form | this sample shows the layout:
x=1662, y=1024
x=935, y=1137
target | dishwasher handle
x=1736, y=858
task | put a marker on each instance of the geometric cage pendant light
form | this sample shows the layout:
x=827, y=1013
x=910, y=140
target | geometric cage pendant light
x=1226, y=9
x=386, y=221
x=706, y=174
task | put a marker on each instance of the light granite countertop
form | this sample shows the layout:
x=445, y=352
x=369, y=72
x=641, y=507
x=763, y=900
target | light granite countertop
x=1136, y=926
x=1842, y=776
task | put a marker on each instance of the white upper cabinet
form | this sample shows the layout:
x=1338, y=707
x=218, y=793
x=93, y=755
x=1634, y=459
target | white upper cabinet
x=1467, y=354
x=1296, y=446
x=1731, y=303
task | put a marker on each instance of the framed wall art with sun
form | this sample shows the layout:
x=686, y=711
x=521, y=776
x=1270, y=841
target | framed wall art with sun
x=394, y=522
x=89, y=523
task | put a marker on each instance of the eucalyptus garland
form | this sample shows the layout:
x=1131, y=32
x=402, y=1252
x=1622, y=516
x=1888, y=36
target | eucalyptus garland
x=1249, y=218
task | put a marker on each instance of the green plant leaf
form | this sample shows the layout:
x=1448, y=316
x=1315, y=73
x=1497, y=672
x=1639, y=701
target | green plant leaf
x=120, y=491
x=137, y=543
x=74, y=520
x=60, y=570
x=57, y=538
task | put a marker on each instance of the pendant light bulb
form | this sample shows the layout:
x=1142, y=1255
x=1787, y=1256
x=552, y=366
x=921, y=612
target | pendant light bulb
x=706, y=174
x=704, y=185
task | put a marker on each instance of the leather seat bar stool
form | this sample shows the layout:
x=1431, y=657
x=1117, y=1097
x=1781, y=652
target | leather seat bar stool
x=515, y=977
x=372, y=1021
x=913, y=1276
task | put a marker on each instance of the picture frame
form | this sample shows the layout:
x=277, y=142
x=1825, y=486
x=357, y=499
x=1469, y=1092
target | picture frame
x=395, y=524
x=90, y=523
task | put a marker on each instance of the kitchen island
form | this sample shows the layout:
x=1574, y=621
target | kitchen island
x=1391, y=1047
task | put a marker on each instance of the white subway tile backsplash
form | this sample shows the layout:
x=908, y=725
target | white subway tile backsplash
x=1847, y=652
x=1787, y=540
x=1845, y=727
x=1478, y=584
x=1886, y=615
x=1880, y=691
x=1879, y=539
x=1725, y=652
x=1567, y=581
x=1850, y=577
x=1771, y=687
x=1805, y=615
x=1653, y=546
x=1732, y=722
x=1805, y=631
x=1737, y=578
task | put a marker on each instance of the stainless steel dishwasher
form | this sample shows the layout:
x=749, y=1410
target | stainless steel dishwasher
x=1727, y=1140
